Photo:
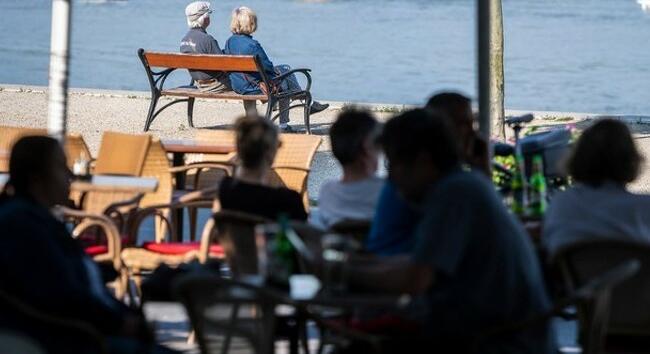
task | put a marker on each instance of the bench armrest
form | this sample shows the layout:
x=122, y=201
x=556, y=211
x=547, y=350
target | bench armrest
x=303, y=71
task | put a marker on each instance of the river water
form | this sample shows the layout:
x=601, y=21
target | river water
x=570, y=55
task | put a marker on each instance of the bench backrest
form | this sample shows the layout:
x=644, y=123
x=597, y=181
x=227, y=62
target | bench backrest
x=207, y=62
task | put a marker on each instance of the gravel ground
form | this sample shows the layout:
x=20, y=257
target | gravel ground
x=91, y=112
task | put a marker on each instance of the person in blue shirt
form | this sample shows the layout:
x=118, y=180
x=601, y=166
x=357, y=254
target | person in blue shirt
x=393, y=227
x=242, y=26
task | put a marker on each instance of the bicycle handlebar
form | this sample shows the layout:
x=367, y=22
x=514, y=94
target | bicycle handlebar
x=526, y=118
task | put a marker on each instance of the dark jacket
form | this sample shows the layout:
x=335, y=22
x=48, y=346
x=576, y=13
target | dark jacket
x=198, y=41
x=247, y=83
x=43, y=266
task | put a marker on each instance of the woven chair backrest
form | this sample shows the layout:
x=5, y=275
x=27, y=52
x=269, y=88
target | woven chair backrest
x=122, y=154
x=214, y=136
x=75, y=147
x=157, y=165
x=297, y=150
x=8, y=137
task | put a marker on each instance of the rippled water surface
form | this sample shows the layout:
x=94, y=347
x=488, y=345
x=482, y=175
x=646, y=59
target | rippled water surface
x=577, y=55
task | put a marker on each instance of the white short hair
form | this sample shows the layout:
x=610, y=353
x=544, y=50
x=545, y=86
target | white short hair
x=198, y=23
x=244, y=21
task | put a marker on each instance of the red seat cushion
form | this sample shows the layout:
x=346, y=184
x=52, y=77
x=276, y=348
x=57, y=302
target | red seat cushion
x=95, y=250
x=94, y=245
x=179, y=248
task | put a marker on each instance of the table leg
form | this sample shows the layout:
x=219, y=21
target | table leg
x=179, y=160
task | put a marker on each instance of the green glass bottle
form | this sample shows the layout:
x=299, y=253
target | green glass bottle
x=538, y=202
x=283, y=250
x=518, y=188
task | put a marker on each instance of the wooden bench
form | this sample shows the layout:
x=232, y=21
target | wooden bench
x=168, y=62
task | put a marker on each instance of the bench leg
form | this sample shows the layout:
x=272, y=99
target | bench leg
x=250, y=107
x=190, y=112
x=306, y=112
x=269, y=109
x=152, y=109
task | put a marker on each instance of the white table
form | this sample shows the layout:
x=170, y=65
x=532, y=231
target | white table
x=123, y=184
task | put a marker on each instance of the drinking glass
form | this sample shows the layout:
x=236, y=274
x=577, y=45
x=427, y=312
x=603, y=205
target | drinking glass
x=335, y=256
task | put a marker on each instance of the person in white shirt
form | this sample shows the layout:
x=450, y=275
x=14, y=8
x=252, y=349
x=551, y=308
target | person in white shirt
x=604, y=161
x=354, y=144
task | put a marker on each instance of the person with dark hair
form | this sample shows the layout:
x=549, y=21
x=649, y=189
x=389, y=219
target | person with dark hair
x=598, y=205
x=458, y=109
x=472, y=265
x=42, y=266
x=393, y=228
x=354, y=144
x=257, y=143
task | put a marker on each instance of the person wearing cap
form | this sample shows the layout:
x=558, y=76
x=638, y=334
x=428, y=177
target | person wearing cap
x=198, y=41
x=243, y=24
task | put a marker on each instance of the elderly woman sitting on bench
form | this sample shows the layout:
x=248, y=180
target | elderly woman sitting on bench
x=242, y=26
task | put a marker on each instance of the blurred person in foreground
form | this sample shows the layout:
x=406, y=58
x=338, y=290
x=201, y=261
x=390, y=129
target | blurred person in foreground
x=243, y=24
x=249, y=190
x=599, y=206
x=473, y=267
x=354, y=143
x=43, y=267
x=393, y=228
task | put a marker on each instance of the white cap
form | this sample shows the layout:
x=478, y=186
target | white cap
x=197, y=9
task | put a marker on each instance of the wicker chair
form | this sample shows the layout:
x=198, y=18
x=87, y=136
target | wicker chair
x=628, y=324
x=156, y=165
x=9, y=135
x=96, y=226
x=122, y=154
x=200, y=178
x=235, y=232
x=75, y=147
x=227, y=316
x=119, y=154
x=293, y=162
x=150, y=255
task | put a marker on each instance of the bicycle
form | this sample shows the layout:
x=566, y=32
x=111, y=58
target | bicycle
x=553, y=145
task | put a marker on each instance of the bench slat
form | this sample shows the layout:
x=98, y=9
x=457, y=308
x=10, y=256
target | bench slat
x=187, y=92
x=245, y=63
